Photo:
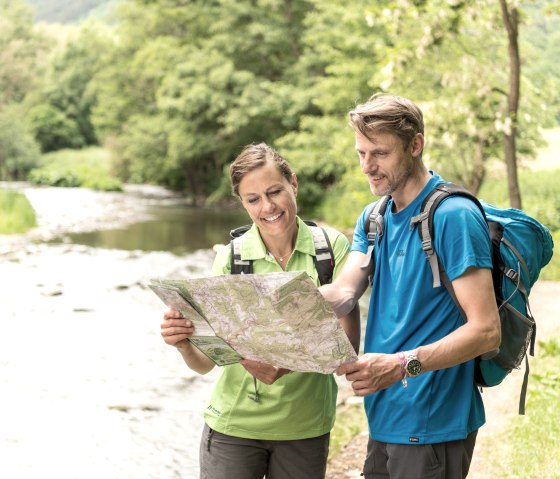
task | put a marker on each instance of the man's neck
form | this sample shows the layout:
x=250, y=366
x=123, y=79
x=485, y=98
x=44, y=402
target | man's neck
x=412, y=188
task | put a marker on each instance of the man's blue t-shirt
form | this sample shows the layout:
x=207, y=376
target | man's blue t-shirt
x=406, y=312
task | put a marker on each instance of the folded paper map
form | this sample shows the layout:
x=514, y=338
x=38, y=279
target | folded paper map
x=276, y=318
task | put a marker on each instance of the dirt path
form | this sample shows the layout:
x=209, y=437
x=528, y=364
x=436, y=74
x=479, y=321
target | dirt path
x=501, y=402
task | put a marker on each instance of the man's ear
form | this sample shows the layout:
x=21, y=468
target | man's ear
x=294, y=183
x=417, y=145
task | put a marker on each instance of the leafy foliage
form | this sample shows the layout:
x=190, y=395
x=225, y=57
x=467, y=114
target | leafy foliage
x=209, y=89
x=60, y=112
x=541, y=200
x=18, y=151
x=175, y=89
x=88, y=168
x=53, y=129
x=18, y=216
x=21, y=49
x=540, y=190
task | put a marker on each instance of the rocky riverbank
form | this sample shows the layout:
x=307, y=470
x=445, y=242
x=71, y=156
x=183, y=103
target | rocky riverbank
x=89, y=389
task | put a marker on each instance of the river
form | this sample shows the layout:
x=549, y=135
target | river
x=89, y=389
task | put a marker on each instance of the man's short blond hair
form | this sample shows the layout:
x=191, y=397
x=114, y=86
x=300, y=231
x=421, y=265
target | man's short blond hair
x=390, y=114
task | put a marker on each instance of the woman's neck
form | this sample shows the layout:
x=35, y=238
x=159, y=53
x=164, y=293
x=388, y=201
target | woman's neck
x=281, y=246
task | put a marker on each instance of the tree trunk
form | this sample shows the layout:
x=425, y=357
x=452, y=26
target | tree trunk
x=479, y=169
x=511, y=22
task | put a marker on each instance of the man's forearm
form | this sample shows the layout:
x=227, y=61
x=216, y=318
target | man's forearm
x=341, y=301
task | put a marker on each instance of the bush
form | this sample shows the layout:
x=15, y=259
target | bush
x=54, y=130
x=18, y=216
x=18, y=151
x=88, y=168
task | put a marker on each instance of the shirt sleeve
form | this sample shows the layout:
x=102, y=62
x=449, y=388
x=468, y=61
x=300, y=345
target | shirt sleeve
x=360, y=241
x=222, y=261
x=461, y=237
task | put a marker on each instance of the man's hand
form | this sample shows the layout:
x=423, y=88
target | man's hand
x=371, y=372
x=266, y=373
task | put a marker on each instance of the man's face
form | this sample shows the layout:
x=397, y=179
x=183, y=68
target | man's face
x=385, y=161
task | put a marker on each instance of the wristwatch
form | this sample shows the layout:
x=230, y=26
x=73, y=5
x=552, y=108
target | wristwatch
x=413, y=365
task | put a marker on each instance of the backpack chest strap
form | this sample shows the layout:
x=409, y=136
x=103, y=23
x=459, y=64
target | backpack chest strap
x=238, y=265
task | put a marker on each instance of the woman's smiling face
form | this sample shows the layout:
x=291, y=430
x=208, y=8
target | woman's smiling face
x=270, y=199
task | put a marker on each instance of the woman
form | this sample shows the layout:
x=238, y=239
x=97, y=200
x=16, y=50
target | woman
x=277, y=426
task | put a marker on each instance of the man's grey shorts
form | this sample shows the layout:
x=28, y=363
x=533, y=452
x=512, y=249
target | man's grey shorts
x=446, y=460
x=228, y=457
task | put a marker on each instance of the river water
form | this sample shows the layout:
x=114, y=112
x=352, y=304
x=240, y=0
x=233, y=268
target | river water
x=88, y=388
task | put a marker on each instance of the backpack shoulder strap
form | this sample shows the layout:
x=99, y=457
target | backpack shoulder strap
x=374, y=228
x=426, y=232
x=237, y=265
x=426, y=226
x=324, y=256
x=323, y=259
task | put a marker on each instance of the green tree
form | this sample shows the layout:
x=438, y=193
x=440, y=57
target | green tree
x=61, y=111
x=18, y=151
x=540, y=44
x=21, y=49
x=334, y=73
x=216, y=75
x=53, y=129
x=449, y=59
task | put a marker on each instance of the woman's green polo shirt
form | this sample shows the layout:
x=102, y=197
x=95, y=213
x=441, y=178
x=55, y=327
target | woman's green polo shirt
x=296, y=406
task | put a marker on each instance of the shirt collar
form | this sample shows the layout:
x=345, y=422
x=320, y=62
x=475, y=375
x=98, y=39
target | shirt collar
x=253, y=247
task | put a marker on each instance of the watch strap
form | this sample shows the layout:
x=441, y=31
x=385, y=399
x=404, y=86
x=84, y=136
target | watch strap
x=402, y=359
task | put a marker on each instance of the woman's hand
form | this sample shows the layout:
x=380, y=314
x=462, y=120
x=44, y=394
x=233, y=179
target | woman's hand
x=175, y=330
x=265, y=373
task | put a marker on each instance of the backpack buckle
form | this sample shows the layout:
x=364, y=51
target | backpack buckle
x=427, y=246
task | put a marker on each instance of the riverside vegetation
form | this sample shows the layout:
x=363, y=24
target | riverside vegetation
x=17, y=214
x=174, y=92
x=90, y=168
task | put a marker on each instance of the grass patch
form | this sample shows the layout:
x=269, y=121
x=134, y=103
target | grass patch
x=526, y=448
x=87, y=168
x=17, y=214
x=350, y=421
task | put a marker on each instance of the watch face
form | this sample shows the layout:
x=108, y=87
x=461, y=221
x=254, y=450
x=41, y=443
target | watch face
x=413, y=367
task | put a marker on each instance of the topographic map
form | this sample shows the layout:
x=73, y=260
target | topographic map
x=276, y=318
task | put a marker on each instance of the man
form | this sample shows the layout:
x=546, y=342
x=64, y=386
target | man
x=416, y=373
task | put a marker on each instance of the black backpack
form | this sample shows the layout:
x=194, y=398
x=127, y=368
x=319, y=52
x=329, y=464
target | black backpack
x=521, y=248
x=323, y=259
